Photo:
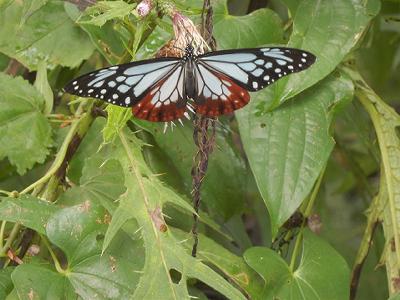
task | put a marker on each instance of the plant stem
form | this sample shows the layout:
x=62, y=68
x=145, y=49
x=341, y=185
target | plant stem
x=10, y=239
x=2, y=228
x=307, y=213
x=53, y=256
x=75, y=127
x=375, y=211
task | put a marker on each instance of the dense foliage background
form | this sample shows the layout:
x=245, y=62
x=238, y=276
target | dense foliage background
x=302, y=195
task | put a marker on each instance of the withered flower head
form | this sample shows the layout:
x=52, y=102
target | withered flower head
x=186, y=33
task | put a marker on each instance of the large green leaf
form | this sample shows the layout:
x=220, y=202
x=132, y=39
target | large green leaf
x=25, y=133
x=163, y=251
x=260, y=27
x=329, y=29
x=43, y=34
x=79, y=232
x=322, y=273
x=27, y=210
x=288, y=148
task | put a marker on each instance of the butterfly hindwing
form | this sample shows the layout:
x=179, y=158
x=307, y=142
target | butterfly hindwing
x=254, y=69
x=217, y=93
x=125, y=84
x=165, y=100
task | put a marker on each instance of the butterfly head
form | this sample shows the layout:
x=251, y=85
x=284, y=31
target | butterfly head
x=189, y=50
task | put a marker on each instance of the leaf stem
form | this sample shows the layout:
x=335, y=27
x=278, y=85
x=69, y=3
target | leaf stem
x=374, y=213
x=307, y=213
x=10, y=239
x=6, y=193
x=2, y=228
x=75, y=126
x=53, y=256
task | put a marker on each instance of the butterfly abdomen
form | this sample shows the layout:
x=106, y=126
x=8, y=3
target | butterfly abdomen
x=190, y=91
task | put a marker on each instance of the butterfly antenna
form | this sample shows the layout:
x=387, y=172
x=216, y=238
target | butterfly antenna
x=175, y=47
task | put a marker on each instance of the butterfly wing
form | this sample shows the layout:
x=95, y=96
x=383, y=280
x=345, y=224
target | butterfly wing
x=256, y=68
x=217, y=93
x=165, y=100
x=151, y=83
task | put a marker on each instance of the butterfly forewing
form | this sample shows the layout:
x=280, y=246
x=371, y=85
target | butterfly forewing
x=124, y=85
x=254, y=69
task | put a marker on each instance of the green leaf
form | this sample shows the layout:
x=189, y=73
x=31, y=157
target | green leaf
x=28, y=210
x=102, y=182
x=117, y=118
x=322, y=273
x=6, y=285
x=288, y=148
x=79, y=232
x=109, y=40
x=32, y=281
x=26, y=37
x=260, y=27
x=43, y=86
x=329, y=29
x=25, y=133
x=231, y=265
x=163, y=251
x=104, y=11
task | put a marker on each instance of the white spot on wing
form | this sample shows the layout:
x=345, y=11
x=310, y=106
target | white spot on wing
x=123, y=88
x=257, y=72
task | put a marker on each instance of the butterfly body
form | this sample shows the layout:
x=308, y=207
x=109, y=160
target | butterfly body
x=211, y=84
x=189, y=81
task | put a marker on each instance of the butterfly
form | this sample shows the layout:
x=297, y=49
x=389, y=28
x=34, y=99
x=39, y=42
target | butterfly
x=212, y=84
